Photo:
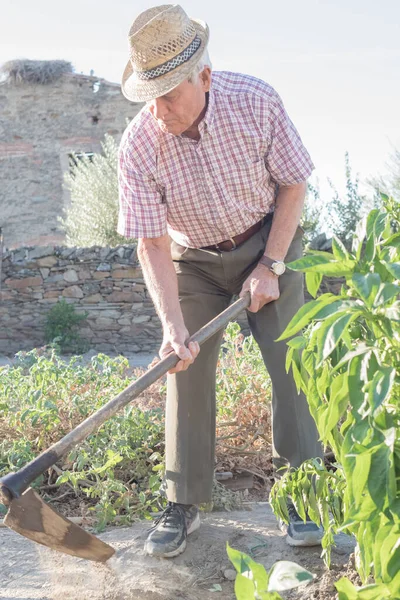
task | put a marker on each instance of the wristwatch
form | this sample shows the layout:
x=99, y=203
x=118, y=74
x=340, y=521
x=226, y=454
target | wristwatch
x=277, y=267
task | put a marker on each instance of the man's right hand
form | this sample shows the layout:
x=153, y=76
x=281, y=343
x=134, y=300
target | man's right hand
x=175, y=341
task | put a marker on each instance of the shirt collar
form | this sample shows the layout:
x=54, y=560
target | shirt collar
x=210, y=113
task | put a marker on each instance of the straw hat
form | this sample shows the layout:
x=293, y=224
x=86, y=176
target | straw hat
x=165, y=46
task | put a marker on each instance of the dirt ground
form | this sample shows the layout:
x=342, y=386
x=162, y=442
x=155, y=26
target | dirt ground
x=32, y=572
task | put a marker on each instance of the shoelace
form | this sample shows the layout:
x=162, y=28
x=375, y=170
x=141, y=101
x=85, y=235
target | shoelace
x=170, y=516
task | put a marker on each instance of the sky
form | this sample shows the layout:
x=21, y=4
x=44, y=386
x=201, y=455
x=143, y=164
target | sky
x=336, y=63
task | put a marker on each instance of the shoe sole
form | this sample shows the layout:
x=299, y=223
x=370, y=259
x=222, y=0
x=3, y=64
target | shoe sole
x=194, y=526
x=311, y=540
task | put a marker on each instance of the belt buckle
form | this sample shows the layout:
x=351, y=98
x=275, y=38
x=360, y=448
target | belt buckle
x=234, y=245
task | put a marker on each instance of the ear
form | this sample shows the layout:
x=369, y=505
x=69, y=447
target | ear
x=205, y=79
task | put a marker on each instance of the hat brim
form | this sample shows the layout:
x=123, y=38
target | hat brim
x=139, y=90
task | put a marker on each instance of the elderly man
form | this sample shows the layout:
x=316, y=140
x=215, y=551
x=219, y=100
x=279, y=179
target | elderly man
x=212, y=179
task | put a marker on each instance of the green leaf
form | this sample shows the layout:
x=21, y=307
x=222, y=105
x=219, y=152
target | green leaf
x=331, y=332
x=286, y=575
x=339, y=249
x=323, y=263
x=393, y=268
x=244, y=588
x=387, y=292
x=248, y=568
x=313, y=281
x=381, y=386
x=347, y=591
x=297, y=342
x=378, y=476
x=305, y=315
x=367, y=286
x=362, y=349
x=338, y=402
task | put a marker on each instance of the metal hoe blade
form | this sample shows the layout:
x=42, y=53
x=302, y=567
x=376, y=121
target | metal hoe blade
x=29, y=516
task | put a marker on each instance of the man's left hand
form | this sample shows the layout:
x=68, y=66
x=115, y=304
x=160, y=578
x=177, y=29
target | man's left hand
x=263, y=286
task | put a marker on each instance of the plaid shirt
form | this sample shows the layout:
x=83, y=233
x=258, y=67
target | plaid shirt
x=203, y=192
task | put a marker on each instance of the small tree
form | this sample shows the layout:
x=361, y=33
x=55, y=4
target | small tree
x=311, y=217
x=344, y=214
x=91, y=219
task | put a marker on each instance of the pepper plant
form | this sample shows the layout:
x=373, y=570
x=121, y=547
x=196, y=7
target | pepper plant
x=347, y=362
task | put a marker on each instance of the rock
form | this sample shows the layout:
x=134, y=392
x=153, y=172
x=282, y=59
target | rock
x=74, y=291
x=23, y=283
x=230, y=574
x=104, y=267
x=128, y=273
x=122, y=297
x=44, y=272
x=110, y=314
x=40, y=252
x=71, y=276
x=93, y=299
x=125, y=321
x=19, y=255
x=84, y=274
x=104, y=323
x=141, y=319
x=47, y=261
x=101, y=275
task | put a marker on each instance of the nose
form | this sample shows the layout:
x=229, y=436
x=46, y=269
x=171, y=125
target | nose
x=158, y=108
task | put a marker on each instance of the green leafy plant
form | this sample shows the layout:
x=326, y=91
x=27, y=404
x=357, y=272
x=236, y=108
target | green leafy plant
x=61, y=324
x=115, y=474
x=253, y=581
x=347, y=362
x=116, y=471
x=92, y=215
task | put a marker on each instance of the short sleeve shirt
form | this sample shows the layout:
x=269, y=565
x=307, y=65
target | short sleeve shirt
x=204, y=191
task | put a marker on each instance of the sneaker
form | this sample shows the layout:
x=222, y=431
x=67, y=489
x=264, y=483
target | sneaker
x=300, y=533
x=167, y=537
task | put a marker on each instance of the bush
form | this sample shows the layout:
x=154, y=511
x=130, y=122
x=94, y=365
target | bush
x=348, y=364
x=60, y=327
x=91, y=219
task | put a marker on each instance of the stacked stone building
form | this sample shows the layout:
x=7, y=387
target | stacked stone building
x=48, y=112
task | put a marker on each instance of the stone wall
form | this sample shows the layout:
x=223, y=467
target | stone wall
x=107, y=283
x=40, y=125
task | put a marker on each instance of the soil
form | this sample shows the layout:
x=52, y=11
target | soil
x=32, y=572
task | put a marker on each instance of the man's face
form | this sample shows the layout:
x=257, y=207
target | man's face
x=181, y=107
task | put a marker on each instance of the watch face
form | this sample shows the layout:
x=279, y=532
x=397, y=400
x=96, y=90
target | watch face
x=279, y=268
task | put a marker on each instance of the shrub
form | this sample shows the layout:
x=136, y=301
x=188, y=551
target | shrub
x=60, y=326
x=347, y=362
x=91, y=219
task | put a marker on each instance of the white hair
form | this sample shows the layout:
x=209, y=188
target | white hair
x=203, y=62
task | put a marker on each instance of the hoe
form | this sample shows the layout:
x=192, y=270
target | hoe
x=29, y=516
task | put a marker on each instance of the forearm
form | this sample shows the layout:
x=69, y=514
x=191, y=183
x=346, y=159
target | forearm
x=288, y=209
x=161, y=280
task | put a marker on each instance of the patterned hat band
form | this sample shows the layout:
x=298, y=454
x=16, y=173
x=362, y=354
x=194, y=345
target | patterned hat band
x=170, y=65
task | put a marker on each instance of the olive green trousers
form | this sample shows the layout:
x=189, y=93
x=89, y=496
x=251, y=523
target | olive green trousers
x=207, y=282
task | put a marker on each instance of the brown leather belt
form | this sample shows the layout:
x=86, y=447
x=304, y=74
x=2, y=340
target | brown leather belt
x=237, y=240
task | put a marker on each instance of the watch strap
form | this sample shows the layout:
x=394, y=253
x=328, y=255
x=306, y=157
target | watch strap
x=265, y=260
x=270, y=263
